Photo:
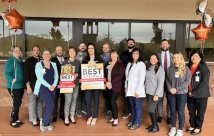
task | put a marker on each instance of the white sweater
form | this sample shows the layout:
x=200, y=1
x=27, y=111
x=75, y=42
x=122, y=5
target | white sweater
x=135, y=79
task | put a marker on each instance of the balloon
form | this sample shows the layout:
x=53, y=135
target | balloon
x=202, y=7
x=5, y=20
x=15, y=20
x=207, y=20
x=201, y=32
x=9, y=1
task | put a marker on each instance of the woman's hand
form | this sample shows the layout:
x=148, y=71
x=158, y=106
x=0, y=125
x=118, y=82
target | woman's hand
x=109, y=85
x=52, y=88
x=137, y=95
x=13, y=81
x=155, y=98
x=173, y=91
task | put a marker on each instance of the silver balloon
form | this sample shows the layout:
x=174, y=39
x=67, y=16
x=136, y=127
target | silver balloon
x=5, y=20
x=202, y=7
x=207, y=20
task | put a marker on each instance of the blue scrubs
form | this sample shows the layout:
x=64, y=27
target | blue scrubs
x=47, y=96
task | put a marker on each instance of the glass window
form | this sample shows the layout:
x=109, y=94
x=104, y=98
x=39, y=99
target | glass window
x=192, y=44
x=9, y=38
x=149, y=35
x=100, y=32
x=48, y=34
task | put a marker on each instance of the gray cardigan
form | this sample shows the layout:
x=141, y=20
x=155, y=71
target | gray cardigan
x=154, y=83
x=180, y=83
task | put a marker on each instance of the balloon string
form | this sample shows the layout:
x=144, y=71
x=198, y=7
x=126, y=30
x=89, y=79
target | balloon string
x=15, y=38
x=12, y=38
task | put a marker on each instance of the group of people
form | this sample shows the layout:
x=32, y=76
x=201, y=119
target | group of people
x=164, y=74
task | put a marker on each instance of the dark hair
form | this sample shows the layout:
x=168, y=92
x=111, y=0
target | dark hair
x=148, y=66
x=82, y=43
x=87, y=58
x=130, y=39
x=36, y=47
x=140, y=57
x=164, y=40
x=201, y=55
x=72, y=47
x=114, y=51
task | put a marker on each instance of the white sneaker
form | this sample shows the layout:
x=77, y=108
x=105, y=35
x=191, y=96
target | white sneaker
x=50, y=128
x=179, y=133
x=43, y=128
x=172, y=131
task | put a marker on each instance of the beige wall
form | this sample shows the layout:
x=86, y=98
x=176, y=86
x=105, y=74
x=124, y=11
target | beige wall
x=110, y=9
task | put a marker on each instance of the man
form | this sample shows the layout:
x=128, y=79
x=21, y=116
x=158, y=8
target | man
x=126, y=58
x=106, y=93
x=80, y=103
x=35, y=104
x=166, y=60
x=59, y=59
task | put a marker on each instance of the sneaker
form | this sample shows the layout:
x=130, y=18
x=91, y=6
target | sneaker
x=50, y=128
x=172, y=131
x=126, y=115
x=43, y=128
x=14, y=125
x=159, y=119
x=179, y=133
x=89, y=121
x=79, y=114
x=84, y=112
x=189, y=130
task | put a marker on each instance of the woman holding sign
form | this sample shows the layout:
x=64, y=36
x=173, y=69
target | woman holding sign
x=70, y=98
x=114, y=73
x=134, y=87
x=177, y=81
x=47, y=78
x=198, y=92
x=91, y=59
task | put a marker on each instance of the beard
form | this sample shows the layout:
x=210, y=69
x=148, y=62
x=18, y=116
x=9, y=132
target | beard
x=164, y=49
x=131, y=47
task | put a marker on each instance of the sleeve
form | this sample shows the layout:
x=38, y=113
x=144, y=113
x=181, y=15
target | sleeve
x=26, y=71
x=168, y=84
x=120, y=75
x=186, y=82
x=39, y=75
x=204, y=80
x=56, y=76
x=126, y=72
x=141, y=77
x=9, y=69
x=160, y=80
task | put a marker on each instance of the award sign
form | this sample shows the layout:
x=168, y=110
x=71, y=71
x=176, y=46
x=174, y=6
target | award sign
x=66, y=83
x=92, y=77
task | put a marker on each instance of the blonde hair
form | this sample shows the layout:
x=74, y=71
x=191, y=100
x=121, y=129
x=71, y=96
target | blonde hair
x=182, y=65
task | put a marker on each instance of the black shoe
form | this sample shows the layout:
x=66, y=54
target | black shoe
x=149, y=127
x=67, y=124
x=134, y=127
x=188, y=130
x=126, y=115
x=54, y=119
x=20, y=122
x=14, y=125
x=195, y=133
x=129, y=124
x=110, y=122
x=114, y=125
x=62, y=117
x=159, y=119
x=169, y=120
x=154, y=129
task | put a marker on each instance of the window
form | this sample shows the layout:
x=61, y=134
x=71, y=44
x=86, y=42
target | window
x=48, y=35
x=9, y=38
x=114, y=33
x=192, y=44
x=149, y=35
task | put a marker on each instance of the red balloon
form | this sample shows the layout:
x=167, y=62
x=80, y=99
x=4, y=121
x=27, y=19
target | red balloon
x=201, y=32
x=15, y=20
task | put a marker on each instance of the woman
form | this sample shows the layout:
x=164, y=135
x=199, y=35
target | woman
x=134, y=87
x=15, y=84
x=70, y=98
x=198, y=92
x=154, y=84
x=47, y=78
x=178, y=79
x=114, y=74
x=91, y=59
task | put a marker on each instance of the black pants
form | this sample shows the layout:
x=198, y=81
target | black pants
x=107, y=98
x=113, y=104
x=152, y=105
x=177, y=104
x=16, y=95
x=80, y=102
x=197, y=108
x=61, y=105
x=88, y=96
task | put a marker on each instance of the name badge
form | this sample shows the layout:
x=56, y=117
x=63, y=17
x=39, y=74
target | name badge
x=43, y=71
x=176, y=74
x=197, y=78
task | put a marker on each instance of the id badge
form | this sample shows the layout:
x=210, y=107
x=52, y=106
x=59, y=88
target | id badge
x=43, y=71
x=176, y=75
x=197, y=78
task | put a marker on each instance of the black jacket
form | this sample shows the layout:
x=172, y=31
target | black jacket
x=201, y=89
x=29, y=71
